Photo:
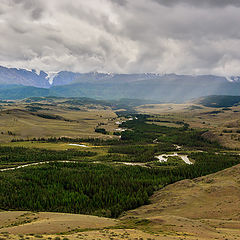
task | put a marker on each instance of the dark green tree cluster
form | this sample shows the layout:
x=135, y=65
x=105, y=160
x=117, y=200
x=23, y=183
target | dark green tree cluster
x=140, y=131
x=94, y=141
x=140, y=153
x=96, y=188
x=101, y=130
x=20, y=154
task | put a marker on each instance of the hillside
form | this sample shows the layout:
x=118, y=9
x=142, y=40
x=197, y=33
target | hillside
x=217, y=101
x=206, y=207
x=216, y=196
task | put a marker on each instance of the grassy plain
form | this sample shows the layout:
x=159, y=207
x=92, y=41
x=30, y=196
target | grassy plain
x=17, y=120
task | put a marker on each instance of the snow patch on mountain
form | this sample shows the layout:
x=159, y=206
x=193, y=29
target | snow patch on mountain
x=50, y=77
x=233, y=79
x=36, y=71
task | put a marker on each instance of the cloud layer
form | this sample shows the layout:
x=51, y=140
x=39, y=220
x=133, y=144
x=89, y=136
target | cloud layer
x=180, y=36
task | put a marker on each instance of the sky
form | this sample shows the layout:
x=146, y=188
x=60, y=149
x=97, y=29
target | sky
x=122, y=36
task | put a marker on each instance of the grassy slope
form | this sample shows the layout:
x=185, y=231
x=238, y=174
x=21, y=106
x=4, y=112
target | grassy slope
x=207, y=207
x=220, y=101
x=39, y=223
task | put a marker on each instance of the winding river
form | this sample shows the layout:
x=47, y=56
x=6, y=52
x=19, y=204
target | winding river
x=33, y=164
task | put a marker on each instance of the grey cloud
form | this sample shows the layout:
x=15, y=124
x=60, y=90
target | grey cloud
x=37, y=13
x=200, y=3
x=121, y=35
x=35, y=7
x=119, y=2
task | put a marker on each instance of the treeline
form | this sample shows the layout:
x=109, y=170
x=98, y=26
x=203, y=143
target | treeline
x=212, y=157
x=167, y=121
x=94, y=141
x=96, y=188
x=21, y=154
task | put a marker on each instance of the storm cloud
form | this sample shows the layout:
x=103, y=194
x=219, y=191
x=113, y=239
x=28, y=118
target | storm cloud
x=123, y=36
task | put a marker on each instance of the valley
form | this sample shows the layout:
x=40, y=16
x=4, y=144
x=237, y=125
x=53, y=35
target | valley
x=87, y=169
x=119, y=120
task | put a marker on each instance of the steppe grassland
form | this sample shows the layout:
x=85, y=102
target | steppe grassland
x=16, y=122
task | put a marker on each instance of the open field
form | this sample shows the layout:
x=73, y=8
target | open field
x=50, y=223
x=24, y=120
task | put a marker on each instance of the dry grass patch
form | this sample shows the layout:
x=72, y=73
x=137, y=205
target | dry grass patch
x=52, y=223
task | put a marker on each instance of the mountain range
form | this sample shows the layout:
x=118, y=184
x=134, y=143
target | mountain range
x=21, y=83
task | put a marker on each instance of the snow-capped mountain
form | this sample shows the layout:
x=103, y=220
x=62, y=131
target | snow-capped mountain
x=165, y=88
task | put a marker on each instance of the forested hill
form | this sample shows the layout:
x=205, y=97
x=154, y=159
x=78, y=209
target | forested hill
x=220, y=101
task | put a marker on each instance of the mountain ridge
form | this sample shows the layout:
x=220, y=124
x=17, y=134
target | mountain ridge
x=23, y=77
x=22, y=83
x=34, y=78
